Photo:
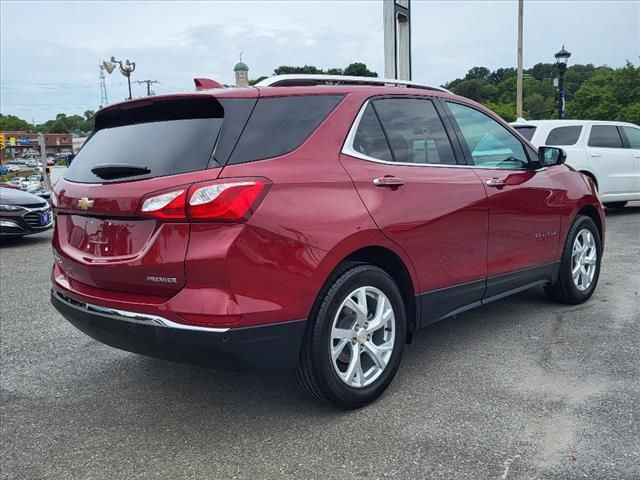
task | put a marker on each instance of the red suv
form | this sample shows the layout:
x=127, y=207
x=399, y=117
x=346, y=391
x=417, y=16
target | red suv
x=312, y=224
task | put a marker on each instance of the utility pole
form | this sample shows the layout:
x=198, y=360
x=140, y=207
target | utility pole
x=148, y=82
x=519, y=70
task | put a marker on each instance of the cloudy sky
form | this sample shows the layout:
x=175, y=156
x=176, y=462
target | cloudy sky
x=50, y=51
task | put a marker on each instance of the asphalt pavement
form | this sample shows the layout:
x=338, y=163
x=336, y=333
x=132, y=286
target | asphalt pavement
x=520, y=389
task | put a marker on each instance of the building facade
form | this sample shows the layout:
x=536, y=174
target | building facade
x=25, y=144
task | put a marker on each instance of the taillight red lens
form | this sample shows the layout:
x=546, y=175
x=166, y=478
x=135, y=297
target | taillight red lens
x=226, y=201
x=168, y=205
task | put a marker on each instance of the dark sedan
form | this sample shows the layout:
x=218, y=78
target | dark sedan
x=23, y=213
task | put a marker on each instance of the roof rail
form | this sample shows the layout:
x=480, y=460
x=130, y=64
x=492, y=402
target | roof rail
x=297, y=80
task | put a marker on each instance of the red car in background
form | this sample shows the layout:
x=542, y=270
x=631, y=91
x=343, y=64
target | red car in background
x=312, y=223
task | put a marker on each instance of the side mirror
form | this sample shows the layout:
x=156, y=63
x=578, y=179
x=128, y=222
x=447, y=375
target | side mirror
x=550, y=156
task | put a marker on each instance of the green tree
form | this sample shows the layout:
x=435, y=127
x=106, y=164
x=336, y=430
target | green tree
x=284, y=70
x=359, y=70
x=11, y=122
x=506, y=110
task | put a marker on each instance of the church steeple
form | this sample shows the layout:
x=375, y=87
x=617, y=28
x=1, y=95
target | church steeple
x=242, y=73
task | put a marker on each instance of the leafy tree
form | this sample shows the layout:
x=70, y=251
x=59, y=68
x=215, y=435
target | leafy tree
x=11, y=122
x=506, y=110
x=359, y=70
x=478, y=73
x=284, y=70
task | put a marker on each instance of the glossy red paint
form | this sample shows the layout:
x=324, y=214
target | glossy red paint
x=444, y=225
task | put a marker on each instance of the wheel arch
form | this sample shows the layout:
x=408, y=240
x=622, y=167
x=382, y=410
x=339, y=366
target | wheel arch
x=385, y=257
x=591, y=176
x=592, y=212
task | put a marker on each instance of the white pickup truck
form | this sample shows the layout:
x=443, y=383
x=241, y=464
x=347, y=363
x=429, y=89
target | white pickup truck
x=608, y=152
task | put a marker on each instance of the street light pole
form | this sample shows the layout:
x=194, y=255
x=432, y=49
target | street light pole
x=126, y=69
x=519, y=71
x=562, y=57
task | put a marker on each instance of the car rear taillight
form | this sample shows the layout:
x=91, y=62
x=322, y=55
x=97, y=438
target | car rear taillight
x=227, y=202
x=218, y=201
x=168, y=205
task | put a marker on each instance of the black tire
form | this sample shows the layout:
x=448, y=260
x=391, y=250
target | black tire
x=615, y=204
x=316, y=374
x=564, y=289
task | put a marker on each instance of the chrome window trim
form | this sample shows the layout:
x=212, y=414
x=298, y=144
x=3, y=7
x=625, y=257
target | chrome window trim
x=347, y=149
x=131, y=317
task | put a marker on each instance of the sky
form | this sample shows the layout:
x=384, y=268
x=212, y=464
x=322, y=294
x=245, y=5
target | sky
x=50, y=51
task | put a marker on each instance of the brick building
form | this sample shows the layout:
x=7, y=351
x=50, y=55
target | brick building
x=25, y=144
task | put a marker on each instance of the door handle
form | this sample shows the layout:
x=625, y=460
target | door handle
x=596, y=154
x=496, y=182
x=389, y=182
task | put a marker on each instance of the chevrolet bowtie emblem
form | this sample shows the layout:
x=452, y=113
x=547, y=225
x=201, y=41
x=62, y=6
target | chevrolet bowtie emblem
x=84, y=203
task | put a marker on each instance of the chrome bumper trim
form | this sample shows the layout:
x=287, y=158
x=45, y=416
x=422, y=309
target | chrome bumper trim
x=131, y=317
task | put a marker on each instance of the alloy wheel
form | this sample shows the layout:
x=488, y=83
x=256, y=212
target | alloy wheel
x=584, y=256
x=362, y=336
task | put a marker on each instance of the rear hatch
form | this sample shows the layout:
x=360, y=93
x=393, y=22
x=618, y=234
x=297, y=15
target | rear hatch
x=139, y=150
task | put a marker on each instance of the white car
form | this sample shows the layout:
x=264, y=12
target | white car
x=608, y=152
x=13, y=168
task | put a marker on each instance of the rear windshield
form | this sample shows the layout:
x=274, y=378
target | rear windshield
x=166, y=137
x=527, y=132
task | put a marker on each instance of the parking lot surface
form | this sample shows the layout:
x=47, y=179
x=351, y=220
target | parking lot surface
x=522, y=388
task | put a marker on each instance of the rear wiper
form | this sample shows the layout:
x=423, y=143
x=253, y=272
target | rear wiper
x=118, y=170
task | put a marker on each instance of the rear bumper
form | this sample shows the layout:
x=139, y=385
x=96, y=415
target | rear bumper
x=265, y=347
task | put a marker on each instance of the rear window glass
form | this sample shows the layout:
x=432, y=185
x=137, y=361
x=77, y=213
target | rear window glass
x=526, y=132
x=279, y=125
x=605, y=136
x=564, y=135
x=171, y=138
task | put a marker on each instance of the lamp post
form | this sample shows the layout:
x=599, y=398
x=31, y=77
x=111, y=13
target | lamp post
x=562, y=57
x=126, y=69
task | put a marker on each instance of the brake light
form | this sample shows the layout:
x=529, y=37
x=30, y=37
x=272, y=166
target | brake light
x=169, y=205
x=227, y=202
x=222, y=201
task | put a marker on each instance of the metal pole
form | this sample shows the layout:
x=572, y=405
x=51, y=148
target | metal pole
x=129, y=83
x=519, y=71
x=43, y=161
x=561, y=69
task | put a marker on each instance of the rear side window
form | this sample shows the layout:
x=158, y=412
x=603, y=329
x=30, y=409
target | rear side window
x=605, y=136
x=279, y=125
x=165, y=137
x=526, y=132
x=370, y=139
x=564, y=135
x=415, y=131
x=633, y=135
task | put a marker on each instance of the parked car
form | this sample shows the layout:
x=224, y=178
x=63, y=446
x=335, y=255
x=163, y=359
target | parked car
x=12, y=167
x=23, y=213
x=335, y=217
x=31, y=181
x=607, y=152
x=40, y=191
x=17, y=181
x=3, y=170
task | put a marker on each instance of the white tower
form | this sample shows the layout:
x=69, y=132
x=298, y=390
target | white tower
x=242, y=73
